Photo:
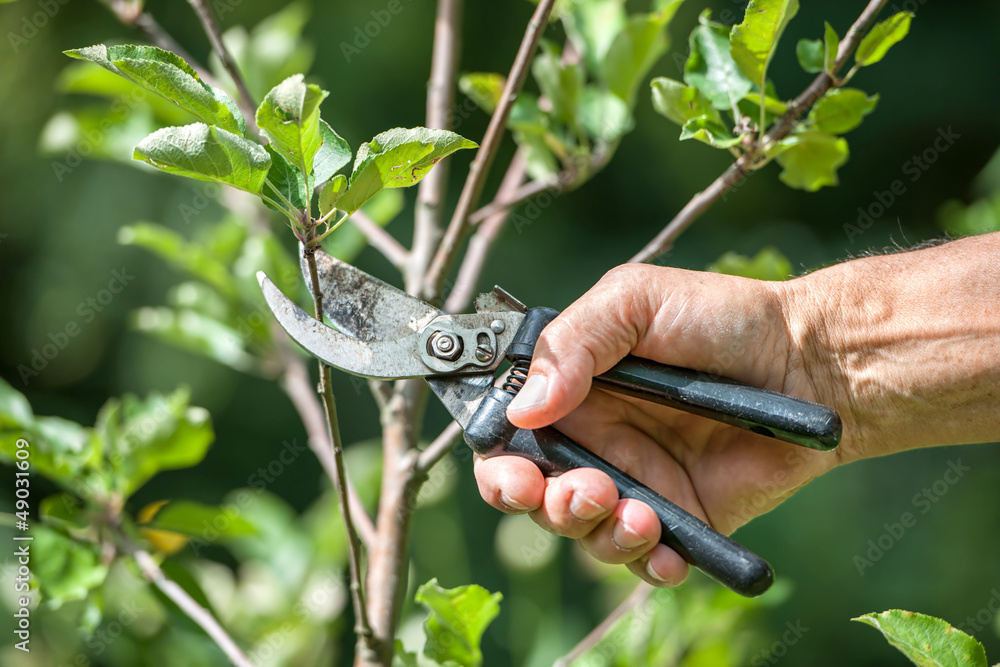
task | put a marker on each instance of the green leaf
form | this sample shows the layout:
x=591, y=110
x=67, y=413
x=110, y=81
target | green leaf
x=810, y=53
x=680, y=103
x=332, y=155
x=171, y=246
x=207, y=154
x=841, y=110
x=458, y=617
x=708, y=131
x=483, y=88
x=68, y=571
x=15, y=411
x=754, y=40
x=634, y=50
x=397, y=158
x=925, y=640
x=289, y=117
x=711, y=69
x=768, y=264
x=831, y=44
x=169, y=76
x=560, y=83
x=147, y=436
x=63, y=510
x=882, y=37
x=771, y=105
x=288, y=180
x=331, y=193
x=198, y=333
x=592, y=26
x=60, y=450
x=197, y=519
x=810, y=159
x=603, y=115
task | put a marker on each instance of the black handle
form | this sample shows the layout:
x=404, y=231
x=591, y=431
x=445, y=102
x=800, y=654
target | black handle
x=759, y=410
x=728, y=562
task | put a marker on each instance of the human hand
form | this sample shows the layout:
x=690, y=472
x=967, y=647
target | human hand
x=724, y=475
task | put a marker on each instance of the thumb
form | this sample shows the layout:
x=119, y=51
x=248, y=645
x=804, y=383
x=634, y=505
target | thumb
x=586, y=339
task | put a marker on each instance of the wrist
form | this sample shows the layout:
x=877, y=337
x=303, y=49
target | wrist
x=905, y=347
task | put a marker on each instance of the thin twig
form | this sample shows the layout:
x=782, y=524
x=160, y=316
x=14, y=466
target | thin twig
x=506, y=201
x=781, y=129
x=297, y=386
x=440, y=99
x=439, y=447
x=244, y=98
x=487, y=151
x=366, y=639
x=152, y=571
x=381, y=240
x=480, y=243
x=635, y=599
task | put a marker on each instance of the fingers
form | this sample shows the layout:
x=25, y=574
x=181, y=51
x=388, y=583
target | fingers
x=587, y=339
x=510, y=483
x=583, y=504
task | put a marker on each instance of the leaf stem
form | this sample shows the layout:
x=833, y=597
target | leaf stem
x=781, y=129
x=480, y=166
x=635, y=599
x=366, y=638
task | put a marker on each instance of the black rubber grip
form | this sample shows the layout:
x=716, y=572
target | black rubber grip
x=728, y=562
x=759, y=410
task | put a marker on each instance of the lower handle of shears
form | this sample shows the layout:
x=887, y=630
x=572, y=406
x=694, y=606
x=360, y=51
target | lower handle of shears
x=728, y=562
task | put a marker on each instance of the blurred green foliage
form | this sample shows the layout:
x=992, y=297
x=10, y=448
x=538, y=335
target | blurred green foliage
x=279, y=588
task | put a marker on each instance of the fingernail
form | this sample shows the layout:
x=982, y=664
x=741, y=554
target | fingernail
x=625, y=538
x=652, y=573
x=585, y=509
x=512, y=504
x=531, y=395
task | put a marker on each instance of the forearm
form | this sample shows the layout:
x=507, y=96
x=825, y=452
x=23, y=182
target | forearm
x=906, y=347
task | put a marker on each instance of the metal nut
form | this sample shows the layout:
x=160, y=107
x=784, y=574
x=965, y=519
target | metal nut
x=444, y=345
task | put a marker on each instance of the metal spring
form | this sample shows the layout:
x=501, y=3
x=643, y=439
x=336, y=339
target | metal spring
x=517, y=375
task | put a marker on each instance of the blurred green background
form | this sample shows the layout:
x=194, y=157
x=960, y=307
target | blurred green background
x=58, y=247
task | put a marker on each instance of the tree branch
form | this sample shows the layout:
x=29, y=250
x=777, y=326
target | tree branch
x=244, y=98
x=487, y=151
x=781, y=129
x=382, y=240
x=151, y=570
x=439, y=448
x=486, y=233
x=505, y=201
x=367, y=642
x=440, y=99
x=635, y=599
x=298, y=387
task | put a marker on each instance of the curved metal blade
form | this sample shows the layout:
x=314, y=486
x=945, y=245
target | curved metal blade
x=363, y=306
x=462, y=395
x=378, y=359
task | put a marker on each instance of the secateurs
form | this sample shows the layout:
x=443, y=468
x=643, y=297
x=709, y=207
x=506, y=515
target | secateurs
x=381, y=332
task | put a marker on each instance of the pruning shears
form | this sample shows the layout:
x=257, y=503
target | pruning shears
x=380, y=332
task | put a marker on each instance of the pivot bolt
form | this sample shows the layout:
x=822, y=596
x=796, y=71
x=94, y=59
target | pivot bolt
x=484, y=354
x=445, y=345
